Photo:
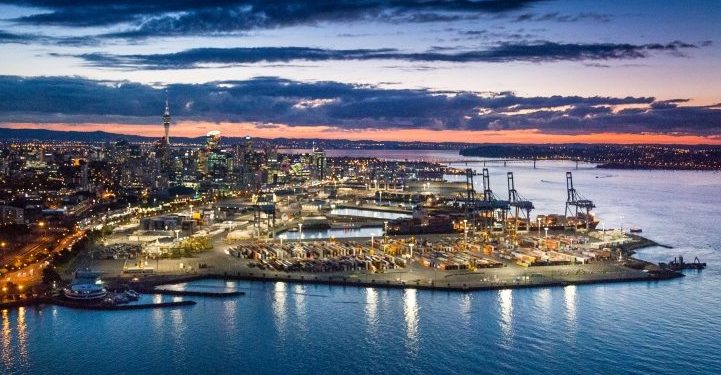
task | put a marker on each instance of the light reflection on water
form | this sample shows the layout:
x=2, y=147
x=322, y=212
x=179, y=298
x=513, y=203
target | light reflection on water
x=465, y=308
x=279, y=310
x=410, y=313
x=505, y=302
x=569, y=298
x=6, y=348
x=543, y=301
x=299, y=296
x=371, y=310
x=22, y=335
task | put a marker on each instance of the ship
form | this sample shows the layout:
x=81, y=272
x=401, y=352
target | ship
x=560, y=222
x=86, y=286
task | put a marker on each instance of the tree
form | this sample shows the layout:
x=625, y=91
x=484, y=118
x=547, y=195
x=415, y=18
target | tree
x=50, y=275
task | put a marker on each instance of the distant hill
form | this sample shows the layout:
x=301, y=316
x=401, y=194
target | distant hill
x=52, y=135
x=26, y=135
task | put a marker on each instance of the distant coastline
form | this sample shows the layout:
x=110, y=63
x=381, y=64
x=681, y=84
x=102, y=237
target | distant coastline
x=610, y=156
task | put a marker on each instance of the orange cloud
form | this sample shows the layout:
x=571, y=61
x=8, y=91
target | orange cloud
x=194, y=129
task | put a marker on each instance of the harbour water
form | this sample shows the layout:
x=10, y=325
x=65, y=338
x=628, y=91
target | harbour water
x=381, y=215
x=669, y=327
x=317, y=234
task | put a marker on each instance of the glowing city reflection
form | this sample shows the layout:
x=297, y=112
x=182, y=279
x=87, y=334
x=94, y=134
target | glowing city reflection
x=410, y=313
x=280, y=314
x=505, y=302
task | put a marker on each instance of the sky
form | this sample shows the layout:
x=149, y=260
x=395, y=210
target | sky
x=525, y=71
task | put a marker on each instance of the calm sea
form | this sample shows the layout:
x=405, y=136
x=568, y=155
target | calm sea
x=670, y=327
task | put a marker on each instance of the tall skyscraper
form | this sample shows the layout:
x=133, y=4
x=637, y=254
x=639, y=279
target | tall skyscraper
x=166, y=122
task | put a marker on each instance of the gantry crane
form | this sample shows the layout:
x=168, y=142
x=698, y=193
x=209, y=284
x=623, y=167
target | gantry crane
x=576, y=202
x=522, y=205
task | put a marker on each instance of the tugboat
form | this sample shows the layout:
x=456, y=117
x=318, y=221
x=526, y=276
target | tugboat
x=677, y=264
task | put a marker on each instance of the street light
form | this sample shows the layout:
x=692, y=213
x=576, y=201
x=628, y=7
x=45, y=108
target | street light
x=300, y=233
x=465, y=234
x=546, y=229
x=538, y=219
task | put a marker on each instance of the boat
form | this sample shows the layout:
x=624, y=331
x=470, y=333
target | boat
x=677, y=264
x=560, y=222
x=635, y=230
x=133, y=295
x=86, y=286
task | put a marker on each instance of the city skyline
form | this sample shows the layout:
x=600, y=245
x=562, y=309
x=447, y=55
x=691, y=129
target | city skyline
x=447, y=71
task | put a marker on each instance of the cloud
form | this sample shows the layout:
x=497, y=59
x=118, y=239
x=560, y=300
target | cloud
x=270, y=100
x=13, y=38
x=155, y=17
x=558, y=17
x=7, y=37
x=506, y=52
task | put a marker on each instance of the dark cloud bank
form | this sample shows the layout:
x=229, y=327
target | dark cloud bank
x=275, y=100
x=506, y=52
x=155, y=17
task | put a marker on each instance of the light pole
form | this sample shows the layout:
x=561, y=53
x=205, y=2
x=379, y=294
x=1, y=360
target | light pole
x=410, y=245
x=465, y=234
x=546, y=229
x=621, y=224
x=603, y=227
x=385, y=231
x=300, y=233
x=538, y=220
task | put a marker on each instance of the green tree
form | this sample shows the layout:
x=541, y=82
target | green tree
x=50, y=275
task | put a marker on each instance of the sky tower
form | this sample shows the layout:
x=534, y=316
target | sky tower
x=166, y=121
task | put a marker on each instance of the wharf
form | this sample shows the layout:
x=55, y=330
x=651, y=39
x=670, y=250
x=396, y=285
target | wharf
x=139, y=306
x=58, y=301
x=188, y=293
x=462, y=282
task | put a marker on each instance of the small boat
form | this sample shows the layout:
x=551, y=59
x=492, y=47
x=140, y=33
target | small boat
x=635, y=230
x=132, y=295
